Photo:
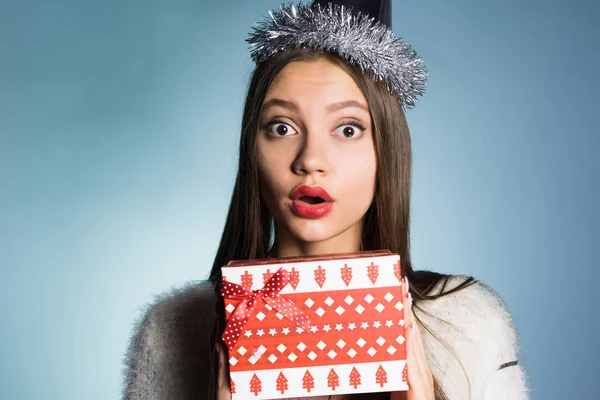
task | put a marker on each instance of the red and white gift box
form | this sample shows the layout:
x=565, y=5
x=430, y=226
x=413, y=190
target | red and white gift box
x=315, y=326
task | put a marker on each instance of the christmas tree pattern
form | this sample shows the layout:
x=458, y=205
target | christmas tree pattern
x=373, y=272
x=266, y=276
x=320, y=276
x=255, y=385
x=354, y=378
x=247, y=280
x=308, y=382
x=333, y=380
x=282, y=383
x=232, y=384
x=397, y=271
x=405, y=374
x=294, y=278
x=346, y=274
x=381, y=376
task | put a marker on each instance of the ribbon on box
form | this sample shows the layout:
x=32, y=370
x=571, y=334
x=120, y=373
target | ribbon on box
x=248, y=298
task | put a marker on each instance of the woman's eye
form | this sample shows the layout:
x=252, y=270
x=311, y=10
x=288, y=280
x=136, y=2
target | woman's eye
x=351, y=131
x=281, y=129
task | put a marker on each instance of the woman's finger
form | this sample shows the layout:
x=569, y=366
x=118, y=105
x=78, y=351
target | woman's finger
x=414, y=369
x=420, y=350
x=414, y=333
x=223, y=391
x=408, y=343
x=406, y=308
x=426, y=377
x=417, y=364
x=417, y=345
x=409, y=328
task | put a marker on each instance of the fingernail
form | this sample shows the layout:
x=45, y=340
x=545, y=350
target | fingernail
x=217, y=347
x=410, y=301
x=407, y=285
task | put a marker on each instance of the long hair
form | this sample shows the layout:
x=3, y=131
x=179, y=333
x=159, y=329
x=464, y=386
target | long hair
x=248, y=227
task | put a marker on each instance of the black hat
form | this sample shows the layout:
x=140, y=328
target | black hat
x=380, y=10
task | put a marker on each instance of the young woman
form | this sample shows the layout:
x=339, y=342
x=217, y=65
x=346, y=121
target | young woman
x=325, y=167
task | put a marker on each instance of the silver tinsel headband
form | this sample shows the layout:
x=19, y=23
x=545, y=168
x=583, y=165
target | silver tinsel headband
x=354, y=36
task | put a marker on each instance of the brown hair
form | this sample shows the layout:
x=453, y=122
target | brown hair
x=248, y=228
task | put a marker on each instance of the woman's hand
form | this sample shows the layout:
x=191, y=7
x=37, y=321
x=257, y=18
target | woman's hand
x=223, y=390
x=420, y=379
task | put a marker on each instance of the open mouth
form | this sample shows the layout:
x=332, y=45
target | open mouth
x=311, y=200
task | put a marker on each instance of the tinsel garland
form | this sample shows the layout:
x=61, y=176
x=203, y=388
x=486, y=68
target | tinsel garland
x=356, y=37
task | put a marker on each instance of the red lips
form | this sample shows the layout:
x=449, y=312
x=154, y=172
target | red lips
x=320, y=203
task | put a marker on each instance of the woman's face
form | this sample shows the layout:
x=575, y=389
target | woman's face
x=316, y=132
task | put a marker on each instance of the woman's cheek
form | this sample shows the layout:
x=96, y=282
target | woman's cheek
x=273, y=190
x=361, y=171
x=364, y=184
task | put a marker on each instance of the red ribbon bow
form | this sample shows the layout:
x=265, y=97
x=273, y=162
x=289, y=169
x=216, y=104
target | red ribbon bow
x=270, y=295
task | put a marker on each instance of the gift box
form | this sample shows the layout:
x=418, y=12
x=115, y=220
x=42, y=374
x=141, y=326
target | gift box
x=315, y=326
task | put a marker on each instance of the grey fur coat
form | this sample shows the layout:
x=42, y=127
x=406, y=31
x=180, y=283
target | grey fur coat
x=168, y=355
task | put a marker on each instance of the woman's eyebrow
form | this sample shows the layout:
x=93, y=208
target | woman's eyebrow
x=344, y=104
x=290, y=105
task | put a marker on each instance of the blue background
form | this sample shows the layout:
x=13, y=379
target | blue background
x=119, y=123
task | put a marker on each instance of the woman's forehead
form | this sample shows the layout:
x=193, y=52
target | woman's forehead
x=317, y=79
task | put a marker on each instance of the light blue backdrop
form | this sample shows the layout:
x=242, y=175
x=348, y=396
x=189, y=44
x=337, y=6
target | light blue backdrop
x=118, y=130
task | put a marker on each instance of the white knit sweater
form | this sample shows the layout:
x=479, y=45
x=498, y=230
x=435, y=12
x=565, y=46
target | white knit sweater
x=169, y=352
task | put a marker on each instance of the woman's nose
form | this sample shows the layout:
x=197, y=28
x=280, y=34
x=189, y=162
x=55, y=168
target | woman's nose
x=312, y=158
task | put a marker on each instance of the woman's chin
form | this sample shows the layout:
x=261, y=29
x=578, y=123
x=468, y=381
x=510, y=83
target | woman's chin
x=315, y=234
x=323, y=235
x=310, y=235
